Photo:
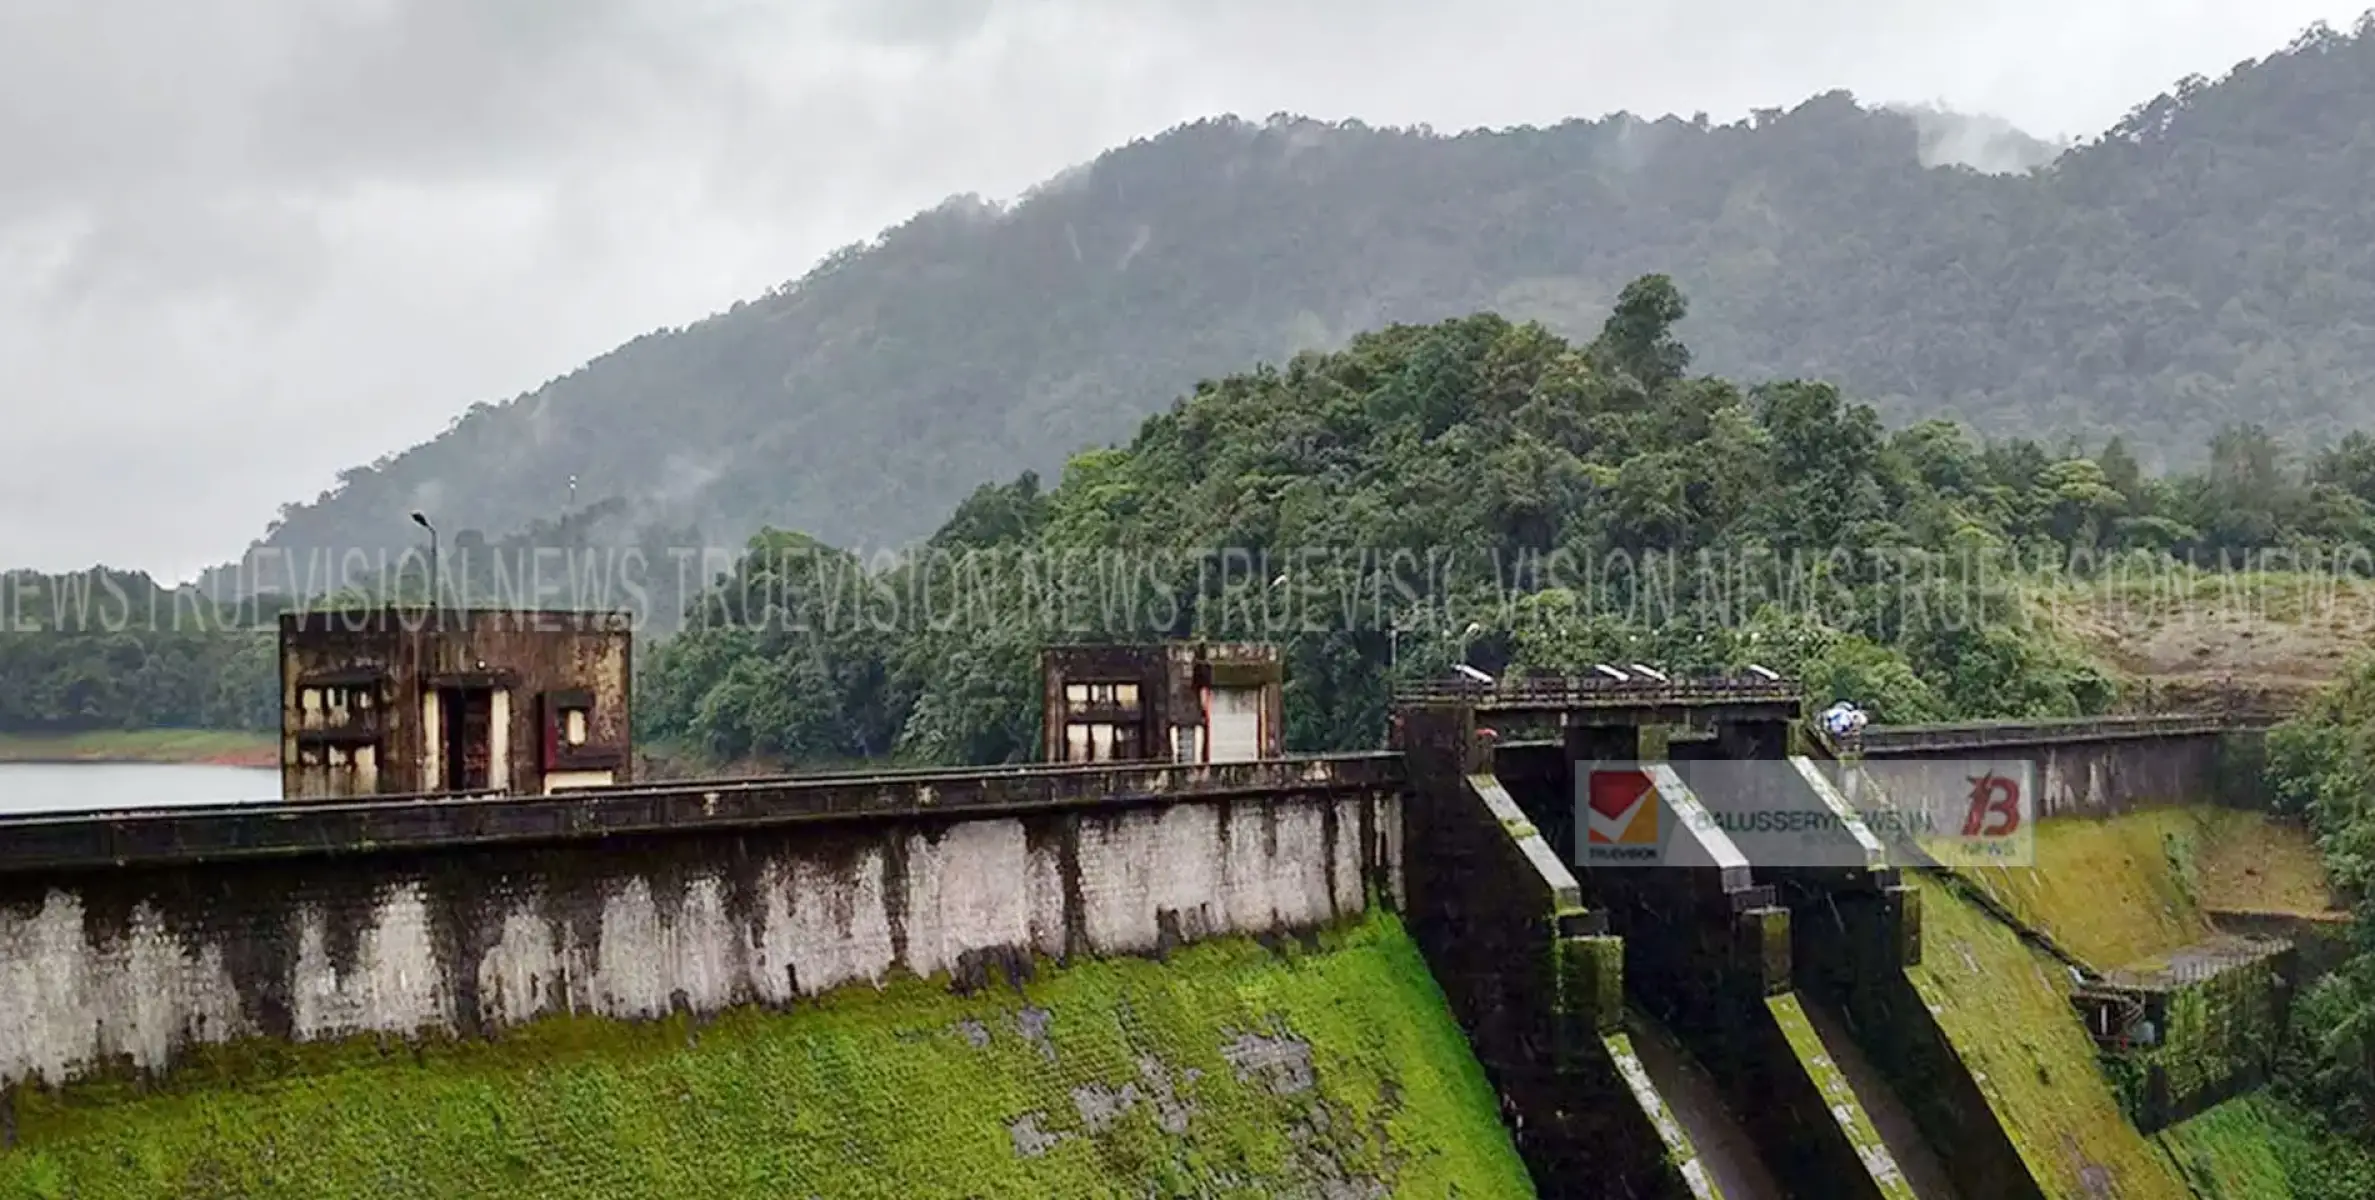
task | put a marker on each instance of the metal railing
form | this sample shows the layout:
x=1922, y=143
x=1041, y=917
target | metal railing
x=1599, y=692
x=1883, y=740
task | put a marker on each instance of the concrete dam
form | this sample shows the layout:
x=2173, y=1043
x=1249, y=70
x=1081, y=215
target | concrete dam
x=1187, y=971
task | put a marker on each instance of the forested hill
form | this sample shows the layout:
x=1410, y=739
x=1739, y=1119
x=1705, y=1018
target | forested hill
x=2211, y=259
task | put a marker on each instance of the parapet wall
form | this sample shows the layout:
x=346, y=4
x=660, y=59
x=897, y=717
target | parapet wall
x=2088, y=768
x=109, y=968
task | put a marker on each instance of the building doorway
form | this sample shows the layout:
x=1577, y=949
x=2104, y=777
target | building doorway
x=468, y=737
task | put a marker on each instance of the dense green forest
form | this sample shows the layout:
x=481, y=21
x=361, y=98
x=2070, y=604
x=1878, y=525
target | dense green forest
x=102, y=650
x=2321, y=767
x=1478, y=489
x=1450, y=471
x=2212, y=255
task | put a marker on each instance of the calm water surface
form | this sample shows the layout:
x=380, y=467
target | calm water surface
x=73, y=787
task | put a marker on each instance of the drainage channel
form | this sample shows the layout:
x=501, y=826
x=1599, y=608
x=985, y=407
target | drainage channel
x=1724, y=1148
x=1894, y=1122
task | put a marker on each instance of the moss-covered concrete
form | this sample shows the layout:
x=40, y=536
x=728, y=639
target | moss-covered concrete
x=2006, y=1008
x=2253, y=862
x=2109, y=890
x=2117, y=890
x=1233, y=1070
x=1839, y=1097
x=2129, y=891
x=2218, y=1037
x=1684, y=1169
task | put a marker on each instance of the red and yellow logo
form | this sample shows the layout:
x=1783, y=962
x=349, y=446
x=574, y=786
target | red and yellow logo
x=1624, y=809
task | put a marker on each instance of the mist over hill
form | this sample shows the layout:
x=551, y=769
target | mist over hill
x=2211, y=259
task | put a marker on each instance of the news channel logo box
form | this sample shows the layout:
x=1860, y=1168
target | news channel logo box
x=1803, y=813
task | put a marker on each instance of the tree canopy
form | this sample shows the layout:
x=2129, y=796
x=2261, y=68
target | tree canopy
x=1484, y=490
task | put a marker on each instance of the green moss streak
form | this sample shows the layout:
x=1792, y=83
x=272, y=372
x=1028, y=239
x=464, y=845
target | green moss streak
x=1680, y=1155
x=1837, y=1093
x=866, y=1093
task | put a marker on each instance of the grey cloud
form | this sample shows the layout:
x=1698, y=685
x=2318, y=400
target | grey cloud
x=247, y=243
x=912, y=22
x=258, y=250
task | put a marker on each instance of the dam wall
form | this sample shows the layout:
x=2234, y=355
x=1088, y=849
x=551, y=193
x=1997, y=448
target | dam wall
x=2090, y=767
x=127, y=940
x=1534, y=978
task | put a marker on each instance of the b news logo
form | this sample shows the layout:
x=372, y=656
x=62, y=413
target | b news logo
x=1994, y=810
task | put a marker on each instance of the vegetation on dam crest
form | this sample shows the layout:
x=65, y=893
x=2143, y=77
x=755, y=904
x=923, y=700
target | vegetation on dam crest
x=1231, y=1070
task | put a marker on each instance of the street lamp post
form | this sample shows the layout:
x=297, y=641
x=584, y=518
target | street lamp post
x=436, y=596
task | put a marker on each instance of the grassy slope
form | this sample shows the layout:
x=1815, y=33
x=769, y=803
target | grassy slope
x=910, y=1092
x=2257, y=1147
x=228, y=747
x=2128, y=888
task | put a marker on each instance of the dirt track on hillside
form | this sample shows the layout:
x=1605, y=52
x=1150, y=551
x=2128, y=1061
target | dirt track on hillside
x=2263, y=654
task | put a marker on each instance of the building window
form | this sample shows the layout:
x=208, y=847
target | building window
x=1102, y=697
x=1101, y=741
x=335, y=703
x=568, y=721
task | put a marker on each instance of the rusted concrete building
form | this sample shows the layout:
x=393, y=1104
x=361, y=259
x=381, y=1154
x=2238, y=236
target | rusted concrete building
x=404, y=701
x=1174, y=702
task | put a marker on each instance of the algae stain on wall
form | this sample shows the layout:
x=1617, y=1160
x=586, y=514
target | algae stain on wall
x=1233, y=1070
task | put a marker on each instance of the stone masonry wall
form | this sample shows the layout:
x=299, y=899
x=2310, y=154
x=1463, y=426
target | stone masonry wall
x=123, y=968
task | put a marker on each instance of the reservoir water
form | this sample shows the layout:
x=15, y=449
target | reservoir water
x=77, y=787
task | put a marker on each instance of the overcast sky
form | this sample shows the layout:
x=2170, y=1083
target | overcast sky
x=246, y=243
